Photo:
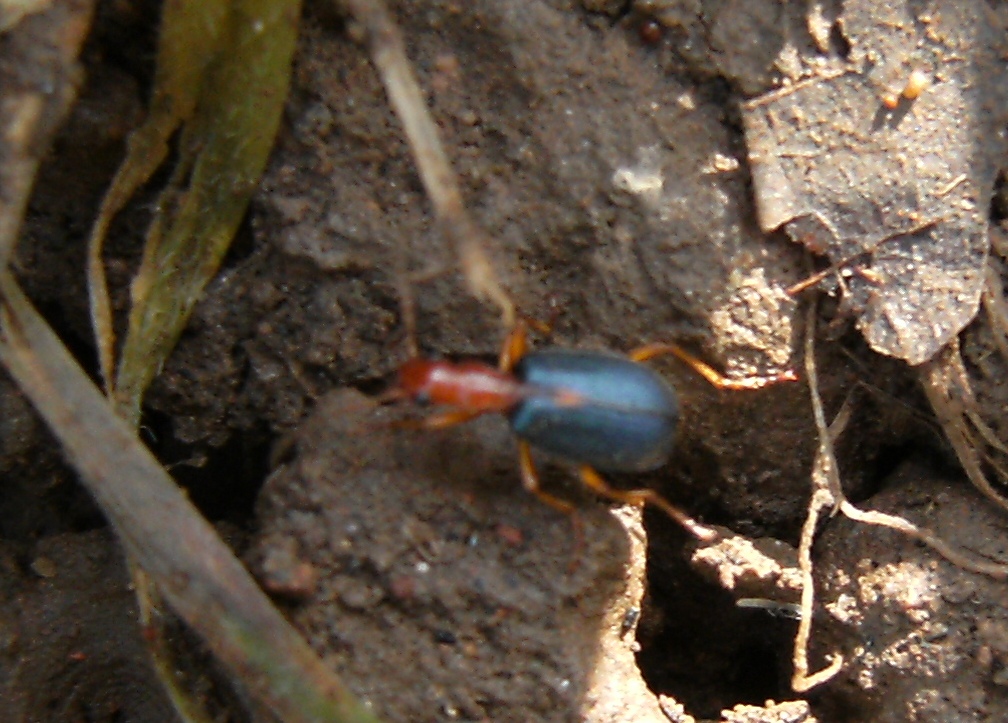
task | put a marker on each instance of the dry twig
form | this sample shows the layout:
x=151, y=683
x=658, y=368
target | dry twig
x=825, y=493
x=469, y=241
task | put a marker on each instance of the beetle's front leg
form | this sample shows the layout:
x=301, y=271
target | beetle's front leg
x=515, y=346
x=516, y=343
x=441, y=420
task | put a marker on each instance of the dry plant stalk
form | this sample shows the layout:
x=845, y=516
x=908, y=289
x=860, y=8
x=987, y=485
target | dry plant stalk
x=948, y=389
x=469, y=242
x=826, y=492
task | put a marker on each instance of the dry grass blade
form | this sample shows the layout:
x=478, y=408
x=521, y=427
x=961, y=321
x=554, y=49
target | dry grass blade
x=190, y=35
x=234, y=102
x=470, y=243
x=17, y=173
x=948, y=389
x=31, y=110
x=164, y=533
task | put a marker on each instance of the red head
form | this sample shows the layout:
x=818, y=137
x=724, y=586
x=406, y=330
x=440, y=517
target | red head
x=415, y=378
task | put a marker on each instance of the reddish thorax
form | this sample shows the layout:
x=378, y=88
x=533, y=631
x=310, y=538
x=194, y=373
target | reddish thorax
x=471, y=386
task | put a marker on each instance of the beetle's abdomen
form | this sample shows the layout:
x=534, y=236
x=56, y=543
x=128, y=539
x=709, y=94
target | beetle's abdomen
x=623, y=419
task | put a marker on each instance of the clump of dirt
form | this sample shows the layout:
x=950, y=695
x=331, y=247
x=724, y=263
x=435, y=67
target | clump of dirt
x=925, y=640
x=471, y=599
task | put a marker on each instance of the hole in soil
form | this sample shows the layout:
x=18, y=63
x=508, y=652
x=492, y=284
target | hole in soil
x=225, y=481
x=702, y=650
x=887, y=460
x=999, y=201
x=839, y=42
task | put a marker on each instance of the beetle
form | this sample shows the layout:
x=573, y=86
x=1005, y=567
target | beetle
x=596, y=409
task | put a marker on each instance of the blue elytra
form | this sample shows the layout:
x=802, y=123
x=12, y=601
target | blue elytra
x=624, y=419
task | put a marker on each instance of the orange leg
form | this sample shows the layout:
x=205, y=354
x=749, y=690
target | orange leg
x=516, y=343
x=708, y=372
x=515, y=346
x=594, y=481
x=440, y=421
x=530, y=480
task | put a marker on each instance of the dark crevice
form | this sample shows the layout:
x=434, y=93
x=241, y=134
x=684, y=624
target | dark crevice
x=999, y=201
x=221, y=481
x=839, y=43
x=699, y=648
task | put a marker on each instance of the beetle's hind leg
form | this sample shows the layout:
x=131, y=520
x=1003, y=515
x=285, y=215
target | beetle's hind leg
x=708, y=372
x=593, y=480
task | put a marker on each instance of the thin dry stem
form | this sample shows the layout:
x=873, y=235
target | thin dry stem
x=801, y=681
x=470, y=243
x=961, y=559
x=826, y=492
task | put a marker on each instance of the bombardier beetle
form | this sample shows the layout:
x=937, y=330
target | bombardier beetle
x=595, y=409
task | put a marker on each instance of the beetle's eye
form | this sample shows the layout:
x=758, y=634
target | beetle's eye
x=422, y=398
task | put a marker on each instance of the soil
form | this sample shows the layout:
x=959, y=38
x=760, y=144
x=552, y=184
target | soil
x=603, y=146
